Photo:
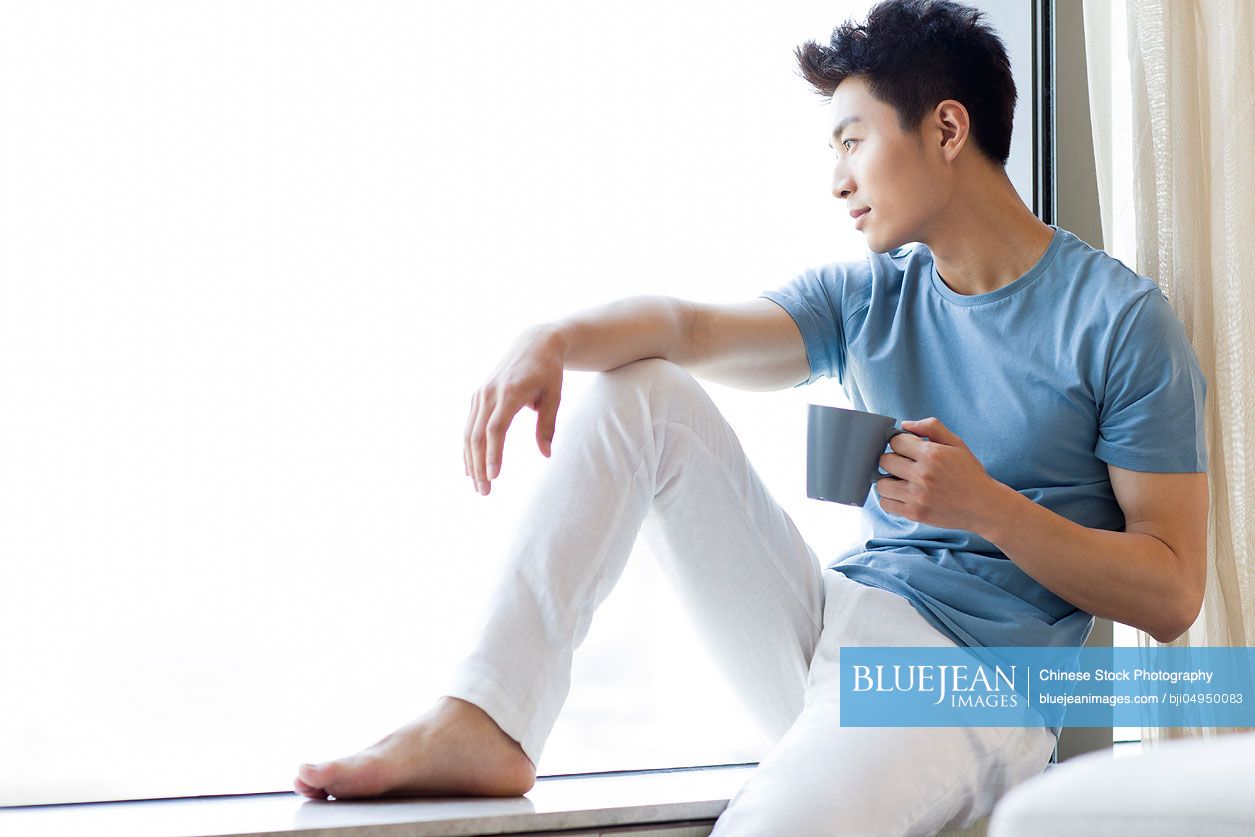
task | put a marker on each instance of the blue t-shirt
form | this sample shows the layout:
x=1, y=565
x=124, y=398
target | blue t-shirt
x=1078, y=363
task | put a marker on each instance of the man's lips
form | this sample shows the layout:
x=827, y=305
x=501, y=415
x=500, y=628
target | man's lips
x=857, y=212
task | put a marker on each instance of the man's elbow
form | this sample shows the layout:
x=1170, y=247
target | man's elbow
x=1177, y=629
x=1191, y=584
x=1166, y=638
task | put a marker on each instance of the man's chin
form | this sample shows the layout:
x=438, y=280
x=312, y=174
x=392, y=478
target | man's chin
x=876, y=244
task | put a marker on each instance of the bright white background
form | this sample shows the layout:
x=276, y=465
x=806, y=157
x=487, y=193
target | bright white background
x=255, y=260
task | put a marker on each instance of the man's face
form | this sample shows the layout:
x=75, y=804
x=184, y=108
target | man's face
x=878, y=167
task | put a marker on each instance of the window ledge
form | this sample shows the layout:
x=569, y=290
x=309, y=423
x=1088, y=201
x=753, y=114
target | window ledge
x=680, y=802
x=690, y=799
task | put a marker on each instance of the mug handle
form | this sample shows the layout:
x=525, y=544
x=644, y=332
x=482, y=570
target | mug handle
x=893, y=431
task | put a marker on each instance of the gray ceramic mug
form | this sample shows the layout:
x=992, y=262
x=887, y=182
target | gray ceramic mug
x=843, y=449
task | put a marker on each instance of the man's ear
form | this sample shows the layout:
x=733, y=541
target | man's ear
x=950, y=126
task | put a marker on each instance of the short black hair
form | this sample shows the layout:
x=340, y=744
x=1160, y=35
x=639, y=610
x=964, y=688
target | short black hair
x=914, y=54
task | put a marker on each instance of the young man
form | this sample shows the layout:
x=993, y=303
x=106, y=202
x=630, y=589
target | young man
x=1055, y=469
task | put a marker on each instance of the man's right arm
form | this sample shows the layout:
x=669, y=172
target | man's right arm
x=619, y=332
x=752, y=345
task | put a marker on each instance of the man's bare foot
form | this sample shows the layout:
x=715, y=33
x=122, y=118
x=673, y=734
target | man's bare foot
x=454, y=749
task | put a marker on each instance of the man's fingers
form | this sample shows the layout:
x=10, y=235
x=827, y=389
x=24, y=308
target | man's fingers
x=466, y=434
x=482, y=410
x=495, y=437
x=546, y=422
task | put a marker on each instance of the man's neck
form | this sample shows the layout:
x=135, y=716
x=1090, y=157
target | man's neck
x=989, y=240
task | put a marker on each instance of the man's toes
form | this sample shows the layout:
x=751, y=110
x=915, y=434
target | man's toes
x=355, y=776
x=306, y=790
x=318, y=776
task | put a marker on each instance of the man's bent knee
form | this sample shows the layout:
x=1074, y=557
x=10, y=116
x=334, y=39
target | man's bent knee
x=655, y=376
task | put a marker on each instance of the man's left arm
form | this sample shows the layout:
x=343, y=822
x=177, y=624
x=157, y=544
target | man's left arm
x=1151, y=576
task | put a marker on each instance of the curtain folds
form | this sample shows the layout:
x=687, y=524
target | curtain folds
x=1172, y=98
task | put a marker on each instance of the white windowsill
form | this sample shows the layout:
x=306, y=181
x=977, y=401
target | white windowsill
x=598, y=800
x=591, y=801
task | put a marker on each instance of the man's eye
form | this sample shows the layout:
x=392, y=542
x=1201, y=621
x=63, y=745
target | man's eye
x=844, y=141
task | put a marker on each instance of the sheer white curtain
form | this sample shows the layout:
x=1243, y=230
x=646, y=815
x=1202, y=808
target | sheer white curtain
x=1171, y=92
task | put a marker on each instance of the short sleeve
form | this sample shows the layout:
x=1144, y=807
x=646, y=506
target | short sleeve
x=814, y=300
x=1152, y=408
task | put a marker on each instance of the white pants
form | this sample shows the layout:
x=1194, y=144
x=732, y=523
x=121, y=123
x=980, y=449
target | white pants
x=647, y=451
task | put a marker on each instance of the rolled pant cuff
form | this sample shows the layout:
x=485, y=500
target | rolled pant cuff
x=478, y=686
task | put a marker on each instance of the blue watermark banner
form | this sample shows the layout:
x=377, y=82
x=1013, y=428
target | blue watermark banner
x=892, y=686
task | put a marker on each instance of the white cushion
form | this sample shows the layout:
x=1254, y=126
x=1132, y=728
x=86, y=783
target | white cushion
x=1187, y=786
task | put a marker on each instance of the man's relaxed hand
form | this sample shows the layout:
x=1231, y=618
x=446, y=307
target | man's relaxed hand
x=529, y=375
x=935, y=480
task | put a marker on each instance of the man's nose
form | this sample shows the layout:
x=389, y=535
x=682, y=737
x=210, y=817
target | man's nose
x=842, y=184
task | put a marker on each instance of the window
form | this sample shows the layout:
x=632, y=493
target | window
x=1121, y=239
x=258, y=257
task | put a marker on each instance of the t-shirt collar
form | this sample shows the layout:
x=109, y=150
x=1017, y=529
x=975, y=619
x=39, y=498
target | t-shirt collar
x=1005, y=291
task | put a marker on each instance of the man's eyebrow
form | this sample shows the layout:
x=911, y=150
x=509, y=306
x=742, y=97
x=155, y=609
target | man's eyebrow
x=842, y=125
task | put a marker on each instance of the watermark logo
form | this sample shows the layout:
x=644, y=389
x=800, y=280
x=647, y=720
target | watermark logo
x=964, y=685
x=1054, y=687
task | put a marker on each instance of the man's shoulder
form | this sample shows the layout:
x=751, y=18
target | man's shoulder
x=1099, y=271
x=848, y=281
x=1097, y=285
